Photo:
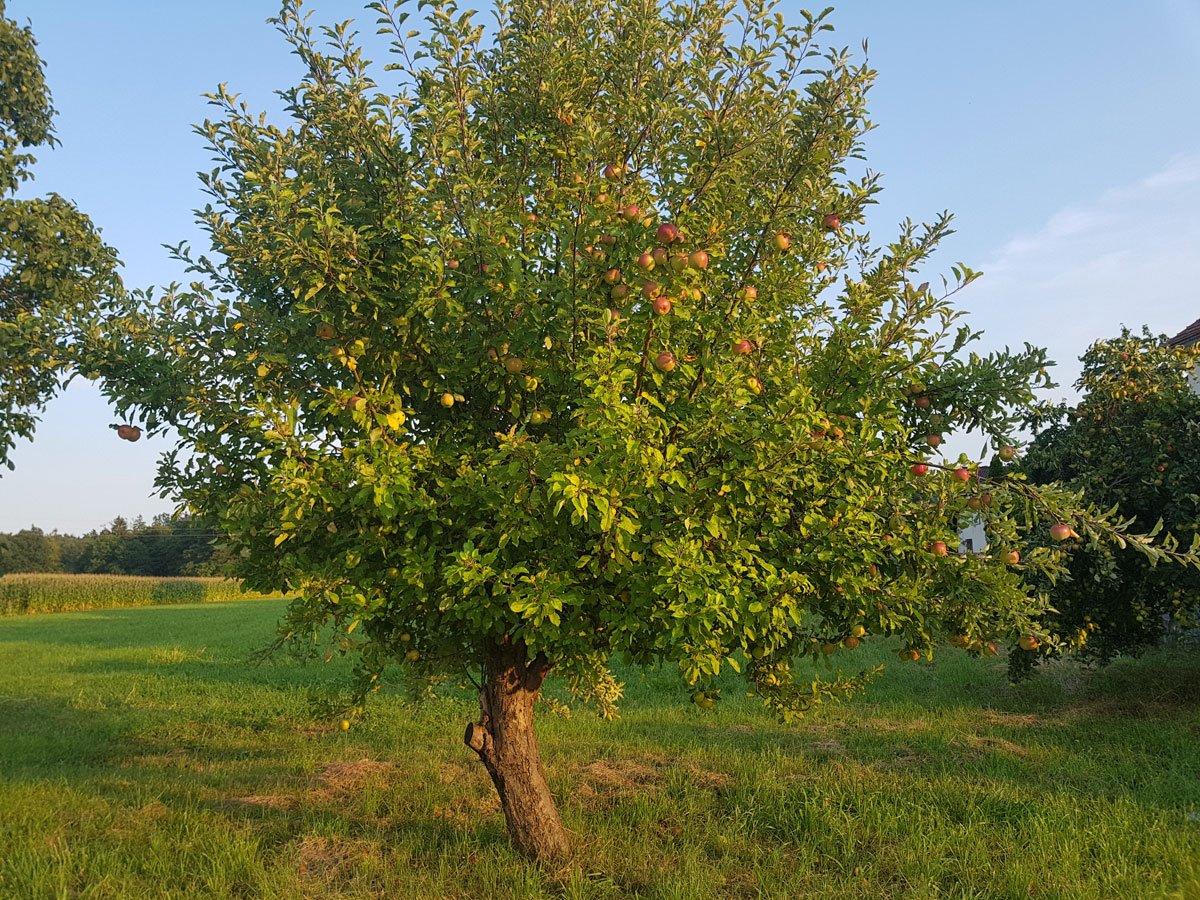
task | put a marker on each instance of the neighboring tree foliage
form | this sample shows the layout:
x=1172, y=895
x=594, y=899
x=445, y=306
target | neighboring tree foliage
x=164, y=548
x=30, y=550
x=570, y=345
x=54, y=269
x=1133, y=442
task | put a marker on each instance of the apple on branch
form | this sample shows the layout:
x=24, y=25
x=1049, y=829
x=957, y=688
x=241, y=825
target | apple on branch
x=668, y=233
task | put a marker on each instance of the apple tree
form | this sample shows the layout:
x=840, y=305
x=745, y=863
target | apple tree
x=1132, y=443
x=55, y=272
x=566, y=344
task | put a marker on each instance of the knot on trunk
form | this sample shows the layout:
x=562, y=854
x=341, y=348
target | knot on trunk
x=478, y=739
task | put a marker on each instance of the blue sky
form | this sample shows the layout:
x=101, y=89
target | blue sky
x=1064, y=137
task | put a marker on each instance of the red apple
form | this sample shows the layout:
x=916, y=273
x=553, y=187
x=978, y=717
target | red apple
x=631, y=213
x=962, y=474
x=698, y=259
x=921, y=403
x=933, y=440
x=665, y=361
x=910, y=655
x=743, y=347
x=1028, y=642
x=129, y=433
x=611, y=171
x=831, y=222
x=606, y=239
x=1012, y=557
x=986, y=499
x=452, y=264
x=850, y=642
x=650, y=288
x=974, y=503
x=990, y=649
x=646, y=261
x=612, y=276
x=659, y=256
x=1060, y=532
x=939, y=548
x=749, y=292
x=668, y=233
x=662, y=305
x=601, y=198
x=919, y=469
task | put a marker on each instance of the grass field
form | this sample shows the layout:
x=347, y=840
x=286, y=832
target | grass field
x=140, y=756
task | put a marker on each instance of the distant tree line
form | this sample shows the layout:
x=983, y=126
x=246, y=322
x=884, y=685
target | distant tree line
x=164, y=547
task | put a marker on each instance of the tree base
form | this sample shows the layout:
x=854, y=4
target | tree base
x=505, y=741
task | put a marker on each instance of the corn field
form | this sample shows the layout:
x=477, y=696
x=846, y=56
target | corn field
x=34, y=593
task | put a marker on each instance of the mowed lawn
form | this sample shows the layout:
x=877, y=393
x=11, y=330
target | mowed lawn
x=142, y=756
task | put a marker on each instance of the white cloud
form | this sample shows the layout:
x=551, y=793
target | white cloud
x=1127, y=258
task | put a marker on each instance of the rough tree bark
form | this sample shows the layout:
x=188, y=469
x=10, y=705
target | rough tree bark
x=506, y=744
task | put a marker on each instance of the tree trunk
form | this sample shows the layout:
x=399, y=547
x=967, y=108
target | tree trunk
x=507, y=746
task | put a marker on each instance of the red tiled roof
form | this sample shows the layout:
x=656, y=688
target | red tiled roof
x=1187, y=337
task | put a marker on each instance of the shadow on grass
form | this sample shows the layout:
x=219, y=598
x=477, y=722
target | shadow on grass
x=267, y=786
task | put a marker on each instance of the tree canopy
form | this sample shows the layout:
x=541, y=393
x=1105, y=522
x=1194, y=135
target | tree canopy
x=1131, y=443
x=567, y=342
x=55, y=271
